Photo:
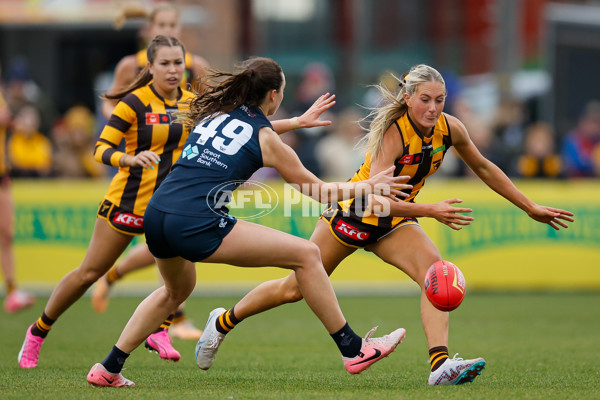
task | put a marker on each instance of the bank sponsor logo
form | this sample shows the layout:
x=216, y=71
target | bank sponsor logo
x=190, y=152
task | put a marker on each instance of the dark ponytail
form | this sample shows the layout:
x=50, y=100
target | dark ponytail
x=256, y=77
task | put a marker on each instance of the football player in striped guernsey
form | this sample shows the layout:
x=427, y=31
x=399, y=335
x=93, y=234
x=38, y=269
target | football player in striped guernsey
x=153, y=142
x=410, y=132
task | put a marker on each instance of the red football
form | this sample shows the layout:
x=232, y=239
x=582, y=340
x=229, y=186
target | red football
x=445, y=285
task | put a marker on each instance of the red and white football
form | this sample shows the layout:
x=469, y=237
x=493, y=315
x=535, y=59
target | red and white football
x=445, y=285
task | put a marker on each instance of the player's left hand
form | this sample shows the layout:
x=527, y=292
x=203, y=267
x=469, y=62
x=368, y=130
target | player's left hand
x=386, y=184
x=311, y=117
x=554, y=217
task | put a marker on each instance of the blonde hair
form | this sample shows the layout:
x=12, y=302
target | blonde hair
x=394, y=105
x=137, y=10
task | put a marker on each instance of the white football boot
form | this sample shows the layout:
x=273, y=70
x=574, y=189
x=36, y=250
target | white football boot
x=209, y=342
x=456, y=371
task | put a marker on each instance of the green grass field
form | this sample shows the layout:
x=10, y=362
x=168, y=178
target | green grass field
x=537, y=346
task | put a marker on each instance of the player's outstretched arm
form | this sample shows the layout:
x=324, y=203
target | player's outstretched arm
x=310, y=118
x=497, y=180
x=282, y=157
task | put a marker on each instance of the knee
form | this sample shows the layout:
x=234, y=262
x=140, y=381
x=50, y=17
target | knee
x=311, y=254
x=421, y=268
x=289, y=290
x=88, y=276
x=179, y=294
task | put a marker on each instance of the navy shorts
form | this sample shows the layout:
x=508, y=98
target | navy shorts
x=193, y=238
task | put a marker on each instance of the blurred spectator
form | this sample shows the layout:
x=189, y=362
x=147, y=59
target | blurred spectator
x=581, y=146
x=481, y=134
x=317, y=80
x=454, y=90
x=539, y=159
x=337, y=153
x=509, y=130
x=21, y=91
x=29, y=151
x=483, y=138
x=372, y=97
x=74, y=140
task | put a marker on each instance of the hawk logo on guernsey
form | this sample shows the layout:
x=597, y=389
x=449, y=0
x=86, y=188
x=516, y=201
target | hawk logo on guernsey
x=128, y=220
x=351, y=231
x=411, y=159
x=156, y=118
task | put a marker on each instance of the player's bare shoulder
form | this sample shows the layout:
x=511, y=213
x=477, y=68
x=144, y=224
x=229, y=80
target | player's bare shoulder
x=453, y=122
x=457, y=128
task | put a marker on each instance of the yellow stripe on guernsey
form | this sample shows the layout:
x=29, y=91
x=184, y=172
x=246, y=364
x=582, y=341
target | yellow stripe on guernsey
x=188, y=76
x=143, y=119
x=422, y=156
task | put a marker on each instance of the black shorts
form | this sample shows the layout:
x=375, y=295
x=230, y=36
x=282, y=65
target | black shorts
x=352, y=232
x=193, y=238
x=120, y=220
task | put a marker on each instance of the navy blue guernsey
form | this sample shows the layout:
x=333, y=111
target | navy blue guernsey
x=219, y=155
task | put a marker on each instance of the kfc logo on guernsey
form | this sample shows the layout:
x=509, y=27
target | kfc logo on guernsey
x=350, y=231
x=156, y=118
x=129, y=220
x=411, y=159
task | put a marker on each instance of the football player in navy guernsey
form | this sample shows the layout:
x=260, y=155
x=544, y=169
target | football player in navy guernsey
x=152, y=144
x=185, y=222
x=411, y=134
x=162, y=19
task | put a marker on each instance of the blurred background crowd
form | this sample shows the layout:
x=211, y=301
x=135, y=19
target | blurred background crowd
x=521, y=74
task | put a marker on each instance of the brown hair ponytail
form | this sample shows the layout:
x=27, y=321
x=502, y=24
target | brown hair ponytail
x=256, y=77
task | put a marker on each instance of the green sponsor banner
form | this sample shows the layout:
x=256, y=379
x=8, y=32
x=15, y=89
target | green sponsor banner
x=502, y=248
x=59, y=224
x=502, y=227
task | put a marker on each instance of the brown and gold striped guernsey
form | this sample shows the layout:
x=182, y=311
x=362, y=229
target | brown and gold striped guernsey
x=422, y=157
x=143, y=118
x=188, y=76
